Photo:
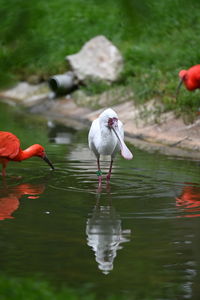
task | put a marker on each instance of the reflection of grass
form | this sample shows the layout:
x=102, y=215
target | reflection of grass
x=156, y=42
x=31, y=289
x=36, y=289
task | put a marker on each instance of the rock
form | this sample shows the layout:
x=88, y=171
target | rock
x=25, y=92
x=98, y=60
x=35, y=100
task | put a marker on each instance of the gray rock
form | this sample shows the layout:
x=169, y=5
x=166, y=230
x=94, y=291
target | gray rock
x=23, y=91
x=99, y=59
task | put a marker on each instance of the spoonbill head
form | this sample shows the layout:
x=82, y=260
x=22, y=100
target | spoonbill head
x=106, y=137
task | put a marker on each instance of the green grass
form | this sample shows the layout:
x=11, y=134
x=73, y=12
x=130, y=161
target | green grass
x=156, y=37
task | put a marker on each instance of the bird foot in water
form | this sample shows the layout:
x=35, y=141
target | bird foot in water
x=99, y=184
x=99, y=173
x=108, y=177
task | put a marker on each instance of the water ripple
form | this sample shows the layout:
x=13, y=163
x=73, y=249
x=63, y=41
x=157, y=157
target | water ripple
x=169, y=197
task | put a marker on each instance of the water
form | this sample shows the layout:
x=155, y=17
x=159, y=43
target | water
x=139, y=236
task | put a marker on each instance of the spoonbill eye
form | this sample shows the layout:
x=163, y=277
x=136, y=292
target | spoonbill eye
x=111, y=121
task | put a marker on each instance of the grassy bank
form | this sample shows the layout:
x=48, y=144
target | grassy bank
x=157, y=38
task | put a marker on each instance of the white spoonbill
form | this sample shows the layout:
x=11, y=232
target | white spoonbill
x=106, y=137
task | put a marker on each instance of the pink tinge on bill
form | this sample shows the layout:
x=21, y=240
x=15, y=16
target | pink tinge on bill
x=125, y=152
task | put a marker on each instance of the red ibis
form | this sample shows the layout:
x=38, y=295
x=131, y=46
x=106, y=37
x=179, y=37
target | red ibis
x=10, y=150
x=190, y=78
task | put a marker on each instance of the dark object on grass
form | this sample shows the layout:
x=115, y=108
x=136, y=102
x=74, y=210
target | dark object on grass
x=63, y=84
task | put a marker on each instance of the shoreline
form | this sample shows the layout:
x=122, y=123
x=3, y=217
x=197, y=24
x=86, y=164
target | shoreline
x=145, y=126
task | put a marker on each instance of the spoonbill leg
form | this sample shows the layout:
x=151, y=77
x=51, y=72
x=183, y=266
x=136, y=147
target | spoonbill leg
x=110, y=171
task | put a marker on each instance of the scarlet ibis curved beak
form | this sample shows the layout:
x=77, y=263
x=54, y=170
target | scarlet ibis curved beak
x=178, y=87
x=125, y=152
x=45, y=158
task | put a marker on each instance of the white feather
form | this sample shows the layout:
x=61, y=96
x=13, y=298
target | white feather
x=102, y=140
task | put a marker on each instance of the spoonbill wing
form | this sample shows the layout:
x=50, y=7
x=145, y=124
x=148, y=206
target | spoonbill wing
x=93, y=136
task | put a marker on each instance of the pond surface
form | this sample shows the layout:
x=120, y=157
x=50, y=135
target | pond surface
x=139, y=236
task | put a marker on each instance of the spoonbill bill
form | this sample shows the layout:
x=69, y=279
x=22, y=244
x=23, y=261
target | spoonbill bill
x=190, y=78
x=10, y=150
x=106, y=137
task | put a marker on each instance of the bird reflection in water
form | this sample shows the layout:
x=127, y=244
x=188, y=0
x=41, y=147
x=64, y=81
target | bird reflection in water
x=189, y=200
x=10, y=197
x=105, y=235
